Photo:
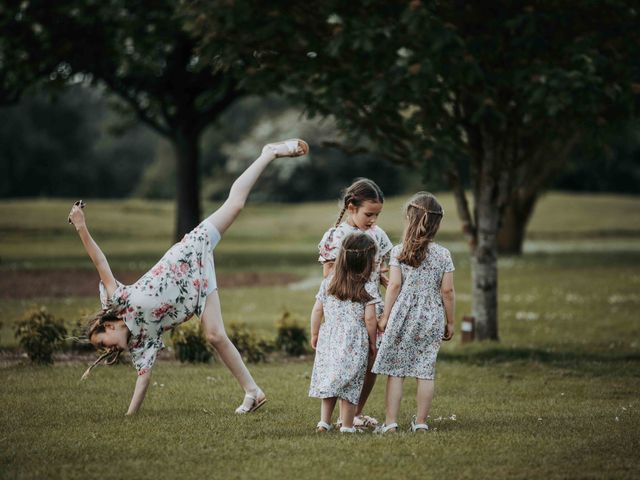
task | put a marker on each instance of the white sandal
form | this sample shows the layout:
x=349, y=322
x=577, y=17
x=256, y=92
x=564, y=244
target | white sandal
x=251, y=403
x=350, y=430
x=418, y=426
x=294, y=148
x=385, y=428
x=326, y=427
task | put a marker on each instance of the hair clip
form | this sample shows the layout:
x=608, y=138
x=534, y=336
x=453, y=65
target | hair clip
x=420, y=207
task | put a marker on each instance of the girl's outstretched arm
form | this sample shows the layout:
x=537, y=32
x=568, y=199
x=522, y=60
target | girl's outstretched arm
x=316, y=319
x=449, y=300
x=76, y=216
x=142, y=383
x=391, y=295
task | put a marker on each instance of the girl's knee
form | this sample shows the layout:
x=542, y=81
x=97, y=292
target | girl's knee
x=217, y=337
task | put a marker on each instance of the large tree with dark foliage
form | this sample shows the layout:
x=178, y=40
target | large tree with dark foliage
x=139, y=52
x=496, y=93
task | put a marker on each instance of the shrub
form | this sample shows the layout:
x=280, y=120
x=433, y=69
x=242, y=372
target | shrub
x=291, y=337
x=252, y=348
x=40, y=334
x=190, y=344
x=77, y=342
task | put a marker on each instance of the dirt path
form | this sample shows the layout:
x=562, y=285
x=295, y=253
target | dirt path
x=81, y=283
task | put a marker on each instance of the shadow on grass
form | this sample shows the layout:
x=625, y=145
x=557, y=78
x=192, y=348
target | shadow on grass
x=568, y=359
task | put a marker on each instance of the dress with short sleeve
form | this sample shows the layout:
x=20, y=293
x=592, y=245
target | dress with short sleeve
x=170, y=293
x=413, y=335
x=342, y=350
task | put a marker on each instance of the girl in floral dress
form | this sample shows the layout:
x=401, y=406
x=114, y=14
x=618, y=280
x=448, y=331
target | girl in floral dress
x=362, y=201
x=180, y=285
x=418, y=311
x=343, y=342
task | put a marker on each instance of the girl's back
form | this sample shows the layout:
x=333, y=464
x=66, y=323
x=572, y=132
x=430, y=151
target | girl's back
x=424, y=280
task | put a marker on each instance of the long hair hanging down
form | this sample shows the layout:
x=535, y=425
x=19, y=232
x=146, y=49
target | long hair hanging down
x=97, y=325
x=361, y=190
x=423, y=216
x=354, y=265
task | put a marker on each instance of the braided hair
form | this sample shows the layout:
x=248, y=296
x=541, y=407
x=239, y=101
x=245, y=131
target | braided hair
x=424, y=214
x=361, y=190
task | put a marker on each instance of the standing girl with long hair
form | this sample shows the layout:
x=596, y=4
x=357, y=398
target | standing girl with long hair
x=418, y=311
x=345, y=340
x=180, y=285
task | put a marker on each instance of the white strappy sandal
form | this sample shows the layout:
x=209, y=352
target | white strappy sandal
x=418, y=426
x=293, y=147
x=323, y=427
x=386, y=428
x=251, y=403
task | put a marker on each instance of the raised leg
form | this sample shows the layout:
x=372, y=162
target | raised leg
x=224, y=216
x=214, y=331
x=424, y=397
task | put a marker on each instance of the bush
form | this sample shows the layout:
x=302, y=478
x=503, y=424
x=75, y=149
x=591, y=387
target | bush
x=291, y=337
x=77, y=342
x=40, y=334
x=252, y=348
x=190, y=344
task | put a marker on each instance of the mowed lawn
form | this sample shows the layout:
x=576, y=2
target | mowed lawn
x=557, y=397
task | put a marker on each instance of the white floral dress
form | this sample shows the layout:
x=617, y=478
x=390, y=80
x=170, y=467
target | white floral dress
x=170, y=293
x=332, y=239
x=414, y=332
x=343, y=347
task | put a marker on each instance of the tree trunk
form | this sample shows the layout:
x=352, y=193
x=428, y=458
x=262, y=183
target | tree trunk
x=484, y=275
x=514, y=223
x=188, y=186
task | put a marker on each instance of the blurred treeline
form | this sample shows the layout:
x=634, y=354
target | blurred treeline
x=74, y=144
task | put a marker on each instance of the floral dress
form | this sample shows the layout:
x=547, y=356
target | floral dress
x=332, y=239
x=343, y=347
x=170, y=293
x=414, y=332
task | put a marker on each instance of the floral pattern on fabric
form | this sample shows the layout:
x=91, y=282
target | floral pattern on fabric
x=343, y=347
x=170, y=293
x=414, y=332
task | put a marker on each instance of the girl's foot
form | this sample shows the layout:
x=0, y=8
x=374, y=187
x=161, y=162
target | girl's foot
x=252, y=402
x=364, y=421
x=323, y=427
x=391, y=428
x=287, y=148
x=418, y=427
x=349, y=430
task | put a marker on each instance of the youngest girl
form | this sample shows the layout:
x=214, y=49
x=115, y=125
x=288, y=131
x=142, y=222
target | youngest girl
x=343, y=342
x=418, y=311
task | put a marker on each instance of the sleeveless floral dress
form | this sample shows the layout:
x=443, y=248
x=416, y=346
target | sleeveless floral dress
x=169, y=294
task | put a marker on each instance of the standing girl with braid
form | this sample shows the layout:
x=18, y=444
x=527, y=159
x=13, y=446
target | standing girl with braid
x=362, y=203
x=418, y=311
x=180, y=285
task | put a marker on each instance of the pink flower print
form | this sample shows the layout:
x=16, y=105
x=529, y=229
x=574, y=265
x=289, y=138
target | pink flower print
x=142, y=371
x=196, y=282
x=125, y=295
x=157, y=270
x=205, y=285
x=162, y=310
x=184, y=268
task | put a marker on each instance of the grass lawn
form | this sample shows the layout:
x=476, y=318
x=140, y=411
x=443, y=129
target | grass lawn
x=557, y=397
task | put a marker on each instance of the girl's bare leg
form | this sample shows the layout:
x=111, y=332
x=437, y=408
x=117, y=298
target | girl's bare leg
x=424, y=397
x=348, y=411
x=326, y=409
x=214, y=331
x=224, y=216
x=394, y=398
x=367, y=386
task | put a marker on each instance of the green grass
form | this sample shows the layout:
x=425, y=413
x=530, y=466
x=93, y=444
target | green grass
x=557, y=397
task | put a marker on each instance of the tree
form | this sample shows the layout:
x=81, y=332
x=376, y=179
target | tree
x=138, y=51
x=496, y=93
